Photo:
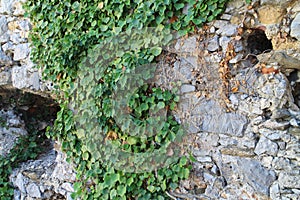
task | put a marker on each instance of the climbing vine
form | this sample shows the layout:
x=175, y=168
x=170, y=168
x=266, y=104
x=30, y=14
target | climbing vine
x=65, y=39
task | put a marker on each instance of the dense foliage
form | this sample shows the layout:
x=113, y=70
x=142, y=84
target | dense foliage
x=64, y=34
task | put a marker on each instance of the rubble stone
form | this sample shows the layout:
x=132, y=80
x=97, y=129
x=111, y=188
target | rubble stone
x=295, y=27
x=246, y=143
x=266, y=146
x=21, y=52
x=270, y=14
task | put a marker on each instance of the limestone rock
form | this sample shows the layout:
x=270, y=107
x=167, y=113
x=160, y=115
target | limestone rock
x=6, y=6
x=187, y=88
x=5, y=77
x=227, y=123
x=3, y=25
x=289, y=180
x=21, y=51
x=271, y=30
x=256, y=175
x=20, y=183
x=33, y=190
x=23, y=78
x=224, y=40
x=18, y=9
x=183, y=70
x=9, y=132
x=228, y=30
x=25, y=25
x=270, y=14
x=4, y=38
x=265, y=145
x=274, y=125
x=281, y=3
x=213, y=44
x=4, y=59
x=188, y=45
x=276, y=89
x=295, y=27
x=8, y=47
x=45, y=178
x=274, y=191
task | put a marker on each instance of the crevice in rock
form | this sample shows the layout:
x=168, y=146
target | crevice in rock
x=37, y=112
x=294, y=79
x=257, y=42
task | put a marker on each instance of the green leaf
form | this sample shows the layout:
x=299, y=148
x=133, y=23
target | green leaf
x=80, y=133
x=161, y=105
x=129, y=181
x=85, y=156
x=121, y=189
x=183, y=161
x=203, y=7
x=113, y=194
x=144, y=106
x=132, y=140
x=178, y=6
x=159, y=19
x=111, y=179
x=76, y=6
x=164, y=185
x=94, y=23
x=151, y=188
x=156, y=51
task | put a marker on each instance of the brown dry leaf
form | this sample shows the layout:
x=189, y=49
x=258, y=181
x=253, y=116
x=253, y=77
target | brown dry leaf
x=234, y=89
x=58, y=77
x=240, y=31
x=270, y=70
x=111, y=135
x=173, y=19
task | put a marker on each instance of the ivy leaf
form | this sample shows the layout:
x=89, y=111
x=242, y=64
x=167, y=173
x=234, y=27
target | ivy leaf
x=132, y=140
x=129, y=181
x=94, y=23
x=111, y=179
x=161, y=105
x=156, y=51
x=159, y=19
x=183, y=161
x=178, y=6
x=151, y=188
x=85, y=156
x=76, y=6
x=80, y=133
x=164, y=185
x=121, y=189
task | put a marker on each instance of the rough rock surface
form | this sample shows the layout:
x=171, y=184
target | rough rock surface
x=11, y=128
x=245, y=142
x=243, y=126
x=15, y=63
x=295, y=27
x=49, y=177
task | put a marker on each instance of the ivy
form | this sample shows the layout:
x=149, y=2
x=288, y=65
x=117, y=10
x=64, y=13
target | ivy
x=92, y=51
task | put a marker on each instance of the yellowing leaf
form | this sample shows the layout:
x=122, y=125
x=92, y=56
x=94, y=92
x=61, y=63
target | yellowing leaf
x=100, y=5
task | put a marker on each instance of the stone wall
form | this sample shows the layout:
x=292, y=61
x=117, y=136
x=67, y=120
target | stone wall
x=16, y=69
x=245, y=137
